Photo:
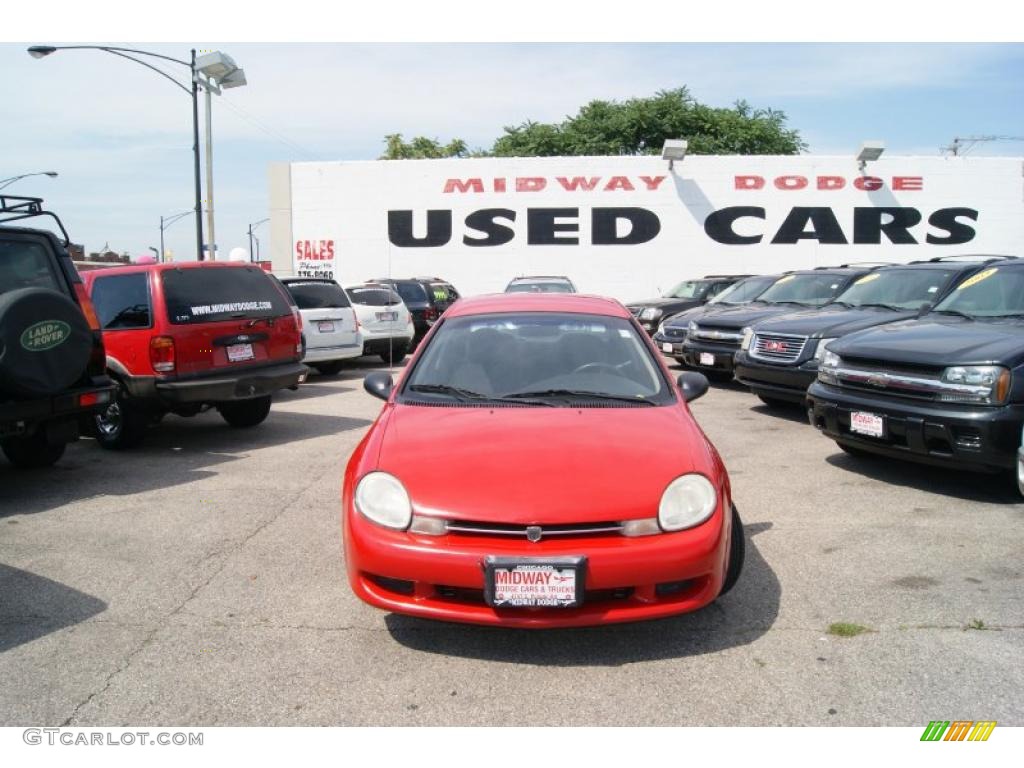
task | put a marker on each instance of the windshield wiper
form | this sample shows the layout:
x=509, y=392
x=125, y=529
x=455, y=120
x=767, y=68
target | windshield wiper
x=466, y=395
x=883, y=306
x=956, y=312
x=798, y=303
x=577, y=393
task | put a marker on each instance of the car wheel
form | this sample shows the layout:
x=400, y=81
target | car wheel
x=396, y=355
x=737, y=553
x=33, y=452
x=121, y=424
x=329, y=369
x=245, y=413
x=773, y=402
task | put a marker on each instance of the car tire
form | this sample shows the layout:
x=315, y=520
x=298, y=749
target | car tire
x=245, y=413
x=737, y=553
x=395, y=355
x=33, y=452
x=329, y=369
x=121, y=425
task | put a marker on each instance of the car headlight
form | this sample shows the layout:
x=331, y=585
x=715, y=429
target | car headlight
x=651, y=313
x=748, y=336
x=382, y=499
x=993, y=378
x=819, y=353
x=827, y=365
x=688, y=501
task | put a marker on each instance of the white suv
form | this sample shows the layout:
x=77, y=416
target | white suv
x=329, y=323
x=384, y=319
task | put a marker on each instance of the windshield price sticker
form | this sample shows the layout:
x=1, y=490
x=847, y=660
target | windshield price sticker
x=868, y=278
x=983, y=275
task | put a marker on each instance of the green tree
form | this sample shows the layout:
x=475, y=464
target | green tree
x=421, y=147
x=641, y=125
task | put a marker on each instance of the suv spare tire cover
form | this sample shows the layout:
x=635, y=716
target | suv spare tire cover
x=45, y=342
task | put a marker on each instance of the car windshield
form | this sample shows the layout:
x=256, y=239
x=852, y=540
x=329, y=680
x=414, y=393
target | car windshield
x=744, y=291
x=546, y=357
x=811, y=290
x=317, y=295
x=25, y=265
x=689, y=289
x=208, y=294
x=896, y=288
x=993, y=292
x=374, y=297
x=546, y=286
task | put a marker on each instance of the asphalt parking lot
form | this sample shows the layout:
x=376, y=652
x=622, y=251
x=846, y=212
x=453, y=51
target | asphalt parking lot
x=198, y=580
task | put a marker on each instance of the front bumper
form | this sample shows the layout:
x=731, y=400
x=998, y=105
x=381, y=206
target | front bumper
x=676, y=345
x=721, y=355
x=976, y=438
x=786, y=382
x=442, y=577
x=242, y=385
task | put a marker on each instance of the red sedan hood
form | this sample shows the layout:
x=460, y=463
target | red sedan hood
x=539, y=465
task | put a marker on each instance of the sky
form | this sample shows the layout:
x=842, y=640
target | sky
x=120, y=136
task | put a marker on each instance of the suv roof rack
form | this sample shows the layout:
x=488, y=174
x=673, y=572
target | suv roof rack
x=984, y=257
x=852, y=264
x=544, y=277
x=14, y=208
x=720, y=277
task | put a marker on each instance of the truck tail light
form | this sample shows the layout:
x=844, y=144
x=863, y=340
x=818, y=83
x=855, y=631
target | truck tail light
x=161, y=354
x=93, y=398
x=430, y=313
x=87, y=308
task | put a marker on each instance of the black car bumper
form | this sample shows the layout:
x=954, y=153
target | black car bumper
x=243, y=385
x=785, y=382
x=58, y=414
x=977, y=438
x=671, y=346
x=709, y=355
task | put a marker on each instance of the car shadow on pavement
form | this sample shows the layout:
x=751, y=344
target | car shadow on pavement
x=969, y=486
x=32, y=606
x=788, y=411
x=176, y=451
x=738, y=618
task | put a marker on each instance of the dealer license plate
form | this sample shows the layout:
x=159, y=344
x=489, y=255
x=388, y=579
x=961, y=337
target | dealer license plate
x=239, y=352
x=666, y=347
x=325, y=326
x=387, y=316
x=869, y=424
x=534, y=583
x=706, y=358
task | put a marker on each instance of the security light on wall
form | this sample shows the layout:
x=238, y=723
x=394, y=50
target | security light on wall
x=673, y=149
x=869, y=152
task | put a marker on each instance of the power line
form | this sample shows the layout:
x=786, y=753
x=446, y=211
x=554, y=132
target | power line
x=259, y=125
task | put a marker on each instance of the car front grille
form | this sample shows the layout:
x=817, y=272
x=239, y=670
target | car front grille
x=777, y=347
x=726, y=336
x=532, y=532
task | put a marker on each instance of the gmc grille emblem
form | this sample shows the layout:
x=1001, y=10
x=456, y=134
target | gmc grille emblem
x=774, y=346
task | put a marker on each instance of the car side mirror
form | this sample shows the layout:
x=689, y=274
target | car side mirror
x=693, y=385
x=379, y=384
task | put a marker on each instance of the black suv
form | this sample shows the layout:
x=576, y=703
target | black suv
x=712, y=342
x=672, y=332
x=946, y=389
x=779, y=357
x=52, y=361
x=426, y=297
x=688, y=294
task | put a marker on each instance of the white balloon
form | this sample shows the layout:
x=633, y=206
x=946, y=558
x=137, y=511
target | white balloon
x=238, y=254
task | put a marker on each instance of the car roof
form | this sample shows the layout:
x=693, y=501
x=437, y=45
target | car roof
x=538, y=302
x=287, y=280
x=562, y=278
x=128, y=269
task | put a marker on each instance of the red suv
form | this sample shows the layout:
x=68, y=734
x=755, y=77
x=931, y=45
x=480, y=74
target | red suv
x=181, y=338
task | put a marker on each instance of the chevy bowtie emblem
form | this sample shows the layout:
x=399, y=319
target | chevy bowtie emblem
x=878, y=380
x=533, y=533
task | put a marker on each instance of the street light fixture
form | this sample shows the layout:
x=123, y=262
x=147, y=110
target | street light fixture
x=253, y=226
x=869, y=152
x=165, y=222
x=200, y=77
x=674, y=149
x=12, y=179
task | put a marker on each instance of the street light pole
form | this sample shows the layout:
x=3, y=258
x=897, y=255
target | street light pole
x=165, y=222
x=195, y=153
x=12, y=179
x=253, y=226
x=209, y=176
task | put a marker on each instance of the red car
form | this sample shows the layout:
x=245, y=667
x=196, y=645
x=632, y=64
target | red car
x=536, y=466
x=182, y=338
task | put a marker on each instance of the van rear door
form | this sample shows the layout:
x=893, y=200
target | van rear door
x=223, y=317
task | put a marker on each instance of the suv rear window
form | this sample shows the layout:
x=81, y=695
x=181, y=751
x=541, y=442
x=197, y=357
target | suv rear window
x=374, y=297
x=411, y=292
x=198, y=295
x=26, y=265
x=317, y=295
x=122, y=301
